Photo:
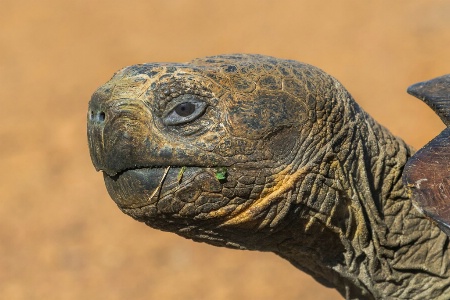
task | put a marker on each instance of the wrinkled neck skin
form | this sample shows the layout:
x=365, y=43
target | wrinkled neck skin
x=351, y=224
x=383, y=248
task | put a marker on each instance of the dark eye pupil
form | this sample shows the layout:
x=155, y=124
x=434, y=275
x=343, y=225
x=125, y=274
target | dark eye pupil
x=185, y=109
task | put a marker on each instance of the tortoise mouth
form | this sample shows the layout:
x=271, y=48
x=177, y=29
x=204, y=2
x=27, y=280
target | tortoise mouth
x=134, y=188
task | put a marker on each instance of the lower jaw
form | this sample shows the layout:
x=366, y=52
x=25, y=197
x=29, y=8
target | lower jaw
x=141, y=187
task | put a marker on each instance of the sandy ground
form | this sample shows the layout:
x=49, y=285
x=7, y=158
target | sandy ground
x=61, y=237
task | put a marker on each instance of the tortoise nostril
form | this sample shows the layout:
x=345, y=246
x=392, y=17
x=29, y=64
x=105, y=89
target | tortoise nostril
x=97, y=116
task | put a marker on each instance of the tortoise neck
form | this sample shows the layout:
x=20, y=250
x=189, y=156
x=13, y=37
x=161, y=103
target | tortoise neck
x=361, y=228
x=343, y=224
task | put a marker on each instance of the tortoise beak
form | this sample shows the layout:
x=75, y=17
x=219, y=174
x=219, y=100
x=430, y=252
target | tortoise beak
x=118, y=135
x=121, y=134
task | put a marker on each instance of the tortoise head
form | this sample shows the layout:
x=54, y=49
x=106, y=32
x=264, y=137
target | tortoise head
x=214, y=143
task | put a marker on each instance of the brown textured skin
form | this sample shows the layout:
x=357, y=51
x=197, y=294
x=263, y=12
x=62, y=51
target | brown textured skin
x=310, y=176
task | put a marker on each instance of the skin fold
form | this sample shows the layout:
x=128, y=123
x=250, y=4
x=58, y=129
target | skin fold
x=257, y=153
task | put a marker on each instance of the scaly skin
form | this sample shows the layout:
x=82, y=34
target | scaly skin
x=309, y=175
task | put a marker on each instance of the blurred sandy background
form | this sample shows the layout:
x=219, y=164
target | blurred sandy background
x=61, y=237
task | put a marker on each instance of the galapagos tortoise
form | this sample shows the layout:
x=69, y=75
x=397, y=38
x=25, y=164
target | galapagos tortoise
x=259, y=153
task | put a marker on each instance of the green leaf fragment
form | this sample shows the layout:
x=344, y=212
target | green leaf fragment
x=180, y=174
x=221, y=173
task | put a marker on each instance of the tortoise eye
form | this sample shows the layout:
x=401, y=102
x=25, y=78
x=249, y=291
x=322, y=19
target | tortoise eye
x=185, y=109
x=185, y=112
